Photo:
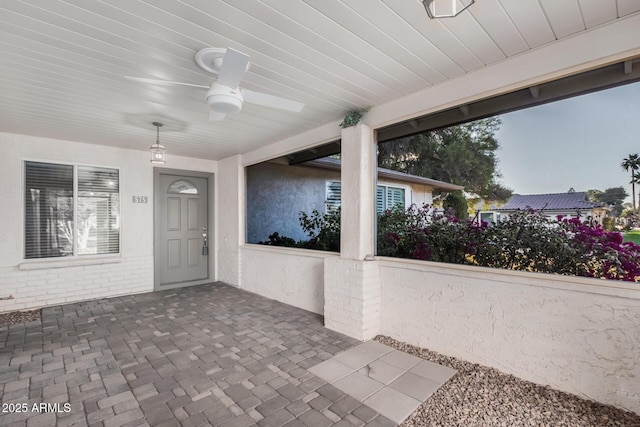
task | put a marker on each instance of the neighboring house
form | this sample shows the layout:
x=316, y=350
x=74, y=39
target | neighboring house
x=572, y=204
x=273, y=188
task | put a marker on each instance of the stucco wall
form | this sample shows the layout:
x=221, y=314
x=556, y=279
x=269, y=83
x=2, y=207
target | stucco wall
x=576, y=335
x=421, y=194
x=292, y=276
x=276, y=194
x=36, y=283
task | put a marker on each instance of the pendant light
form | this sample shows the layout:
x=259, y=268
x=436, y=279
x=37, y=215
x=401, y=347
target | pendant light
x=445, y=8
x=157, y=150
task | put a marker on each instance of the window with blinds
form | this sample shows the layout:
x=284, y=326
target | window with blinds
x=71, y=210
x=386, y=197
x=332, y=204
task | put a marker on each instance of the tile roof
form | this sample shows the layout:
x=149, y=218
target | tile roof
x=550, y=202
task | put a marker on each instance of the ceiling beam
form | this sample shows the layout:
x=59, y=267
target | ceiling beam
x=314, y=153
x=567, y=87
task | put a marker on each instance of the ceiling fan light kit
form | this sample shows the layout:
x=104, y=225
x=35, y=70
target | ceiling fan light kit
x=224, y=95
x=223, y=100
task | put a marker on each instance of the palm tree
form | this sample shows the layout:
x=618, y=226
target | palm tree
x=632, y=163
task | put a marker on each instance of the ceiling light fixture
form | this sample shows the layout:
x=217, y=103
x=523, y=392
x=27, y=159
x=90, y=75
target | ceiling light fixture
x=445, y=8
x=157, y=150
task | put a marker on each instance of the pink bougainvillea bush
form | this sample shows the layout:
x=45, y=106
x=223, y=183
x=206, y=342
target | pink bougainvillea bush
x=527, y=240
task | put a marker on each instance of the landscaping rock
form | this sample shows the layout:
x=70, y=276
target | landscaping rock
x=15, y=317
x=481, y=396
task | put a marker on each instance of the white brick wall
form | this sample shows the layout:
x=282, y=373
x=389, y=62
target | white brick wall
x=577, y=335
x=352, y=297
x=35, y=288
x=293, y=276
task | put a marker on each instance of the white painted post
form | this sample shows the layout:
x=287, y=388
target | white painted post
x=351, y=284
x=357, y=199
x=229, y=195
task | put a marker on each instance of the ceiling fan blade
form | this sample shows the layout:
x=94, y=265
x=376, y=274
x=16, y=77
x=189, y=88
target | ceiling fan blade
x=234, y=65
x=163, y=82
x=267, y=100
x=214, y=116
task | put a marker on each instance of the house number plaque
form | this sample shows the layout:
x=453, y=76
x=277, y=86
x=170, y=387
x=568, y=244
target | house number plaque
x=140, y=199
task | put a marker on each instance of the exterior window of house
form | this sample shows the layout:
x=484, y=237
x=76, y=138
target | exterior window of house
x=386, y=197
x=71, y=210
x=182, y=186
x=333, y=196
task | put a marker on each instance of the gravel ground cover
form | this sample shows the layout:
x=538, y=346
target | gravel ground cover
x=15, y=317
x=481, y=396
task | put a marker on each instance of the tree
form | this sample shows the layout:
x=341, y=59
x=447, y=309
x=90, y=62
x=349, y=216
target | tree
x=457, y=203
x=632, y=163
x=613, y=197
x=464, y=154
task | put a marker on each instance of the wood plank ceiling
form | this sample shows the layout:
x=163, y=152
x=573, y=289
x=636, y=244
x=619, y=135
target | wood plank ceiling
x=63, y=63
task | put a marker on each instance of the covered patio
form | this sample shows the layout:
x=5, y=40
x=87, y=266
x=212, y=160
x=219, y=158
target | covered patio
x=209, y=354
x=104, y=241
x=216, y=355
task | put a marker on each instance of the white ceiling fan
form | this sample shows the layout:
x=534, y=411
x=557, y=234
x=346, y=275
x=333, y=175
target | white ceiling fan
x=224, y=96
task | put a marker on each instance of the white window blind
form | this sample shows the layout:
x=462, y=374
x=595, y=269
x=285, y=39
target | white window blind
x=71, y=210
x=48, y=210
x=98, y=211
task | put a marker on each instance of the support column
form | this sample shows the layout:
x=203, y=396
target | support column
x=358, y=191
x=352, y=282
x=229, y=218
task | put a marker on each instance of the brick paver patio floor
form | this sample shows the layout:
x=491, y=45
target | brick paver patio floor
x=203, y=355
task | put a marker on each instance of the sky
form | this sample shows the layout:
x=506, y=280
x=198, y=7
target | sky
x=575, y=143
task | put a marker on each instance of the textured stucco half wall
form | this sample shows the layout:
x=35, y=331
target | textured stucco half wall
x=576, y=335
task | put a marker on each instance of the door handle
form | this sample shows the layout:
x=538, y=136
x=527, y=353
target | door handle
x=205, y=245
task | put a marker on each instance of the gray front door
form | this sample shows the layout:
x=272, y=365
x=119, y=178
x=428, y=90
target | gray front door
x=182, y=221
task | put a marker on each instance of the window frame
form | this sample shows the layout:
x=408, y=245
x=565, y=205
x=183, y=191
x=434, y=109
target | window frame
x=408, y=193
x=75, y=257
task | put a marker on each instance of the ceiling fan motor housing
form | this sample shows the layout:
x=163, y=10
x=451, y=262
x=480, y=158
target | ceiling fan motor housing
x=223, y=99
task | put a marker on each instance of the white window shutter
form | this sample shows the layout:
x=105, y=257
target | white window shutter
x=395, y=197
x=380, y=199
x=333, y=196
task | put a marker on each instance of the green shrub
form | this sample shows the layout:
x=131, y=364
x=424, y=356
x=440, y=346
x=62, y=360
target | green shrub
x=323, y=231
x=526, y=240
x=276, y=239
x=609, y=224
x=456, y=203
